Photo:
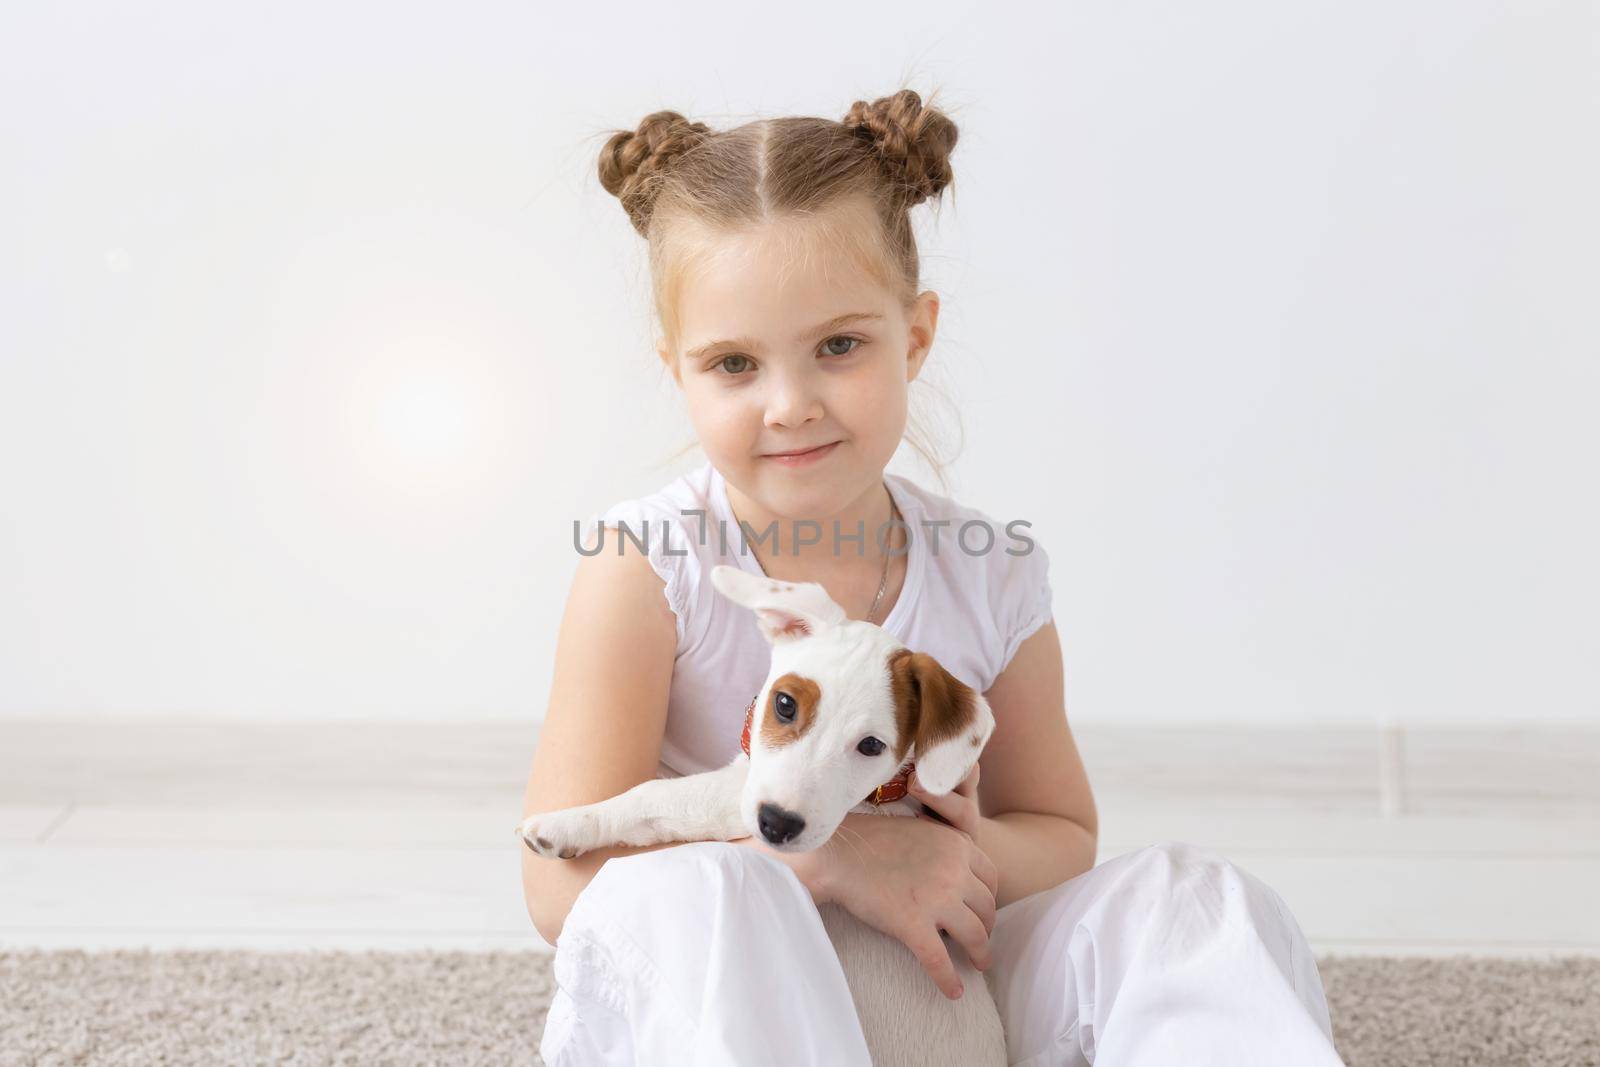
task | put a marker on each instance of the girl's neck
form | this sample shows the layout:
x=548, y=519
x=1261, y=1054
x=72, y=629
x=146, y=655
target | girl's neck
x=845, y=560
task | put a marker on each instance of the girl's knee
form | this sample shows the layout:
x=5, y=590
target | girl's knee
x=1210, y=877
x=1173, y=865
x=631, y=896
x=1181, y=861
x=637, y=886
x=1196, y=860
x=727, y=861
x=1223, y=893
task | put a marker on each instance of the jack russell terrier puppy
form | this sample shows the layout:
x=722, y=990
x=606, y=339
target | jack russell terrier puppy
x=843, y=713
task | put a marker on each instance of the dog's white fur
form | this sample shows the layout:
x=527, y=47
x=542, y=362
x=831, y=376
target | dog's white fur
x=820, y=776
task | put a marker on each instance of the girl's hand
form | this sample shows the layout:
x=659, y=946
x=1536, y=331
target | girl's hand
x=959, y=807
x=912, y=879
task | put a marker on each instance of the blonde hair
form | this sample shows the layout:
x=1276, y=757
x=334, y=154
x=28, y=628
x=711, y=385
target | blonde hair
x=884, y=158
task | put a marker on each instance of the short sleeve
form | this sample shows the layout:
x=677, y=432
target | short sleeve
x=1025, y=599
x=661, y=536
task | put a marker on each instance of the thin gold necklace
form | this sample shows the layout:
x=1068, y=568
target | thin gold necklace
x=883, y=582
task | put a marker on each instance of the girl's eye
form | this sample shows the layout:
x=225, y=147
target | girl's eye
x=870, y=746
x=743, y=363
x=784, y=704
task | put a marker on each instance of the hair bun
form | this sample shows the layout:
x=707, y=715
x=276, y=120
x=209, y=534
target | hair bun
x=632, y=161
x=914, y=142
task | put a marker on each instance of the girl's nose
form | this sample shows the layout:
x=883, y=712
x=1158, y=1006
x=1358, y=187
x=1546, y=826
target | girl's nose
x=793, y=401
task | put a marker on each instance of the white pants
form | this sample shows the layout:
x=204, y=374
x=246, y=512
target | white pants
x=712, y=953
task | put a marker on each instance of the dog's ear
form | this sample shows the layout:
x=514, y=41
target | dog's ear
x=785, y=611
x=944, y=723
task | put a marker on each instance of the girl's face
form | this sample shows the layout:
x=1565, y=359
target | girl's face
x=785, y=347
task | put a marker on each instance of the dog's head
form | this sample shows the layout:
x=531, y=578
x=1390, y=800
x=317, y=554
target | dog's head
x=844, y=706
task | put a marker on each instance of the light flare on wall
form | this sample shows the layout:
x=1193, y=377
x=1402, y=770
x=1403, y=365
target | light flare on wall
x=425, y=414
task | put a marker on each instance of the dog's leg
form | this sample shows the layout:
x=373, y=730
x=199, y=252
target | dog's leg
x=696, y=807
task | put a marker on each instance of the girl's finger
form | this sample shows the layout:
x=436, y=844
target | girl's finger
x=943, y=804
x=957, y=810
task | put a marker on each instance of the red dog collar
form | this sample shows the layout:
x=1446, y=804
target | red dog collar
x=890, y=791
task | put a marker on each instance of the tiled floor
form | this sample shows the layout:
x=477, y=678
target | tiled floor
x=381, y=835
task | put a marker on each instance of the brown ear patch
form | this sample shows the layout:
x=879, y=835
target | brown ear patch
x=806, y=694
x=931, y=704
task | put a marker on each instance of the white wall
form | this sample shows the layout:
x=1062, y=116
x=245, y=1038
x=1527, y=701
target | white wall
x=1276, y=321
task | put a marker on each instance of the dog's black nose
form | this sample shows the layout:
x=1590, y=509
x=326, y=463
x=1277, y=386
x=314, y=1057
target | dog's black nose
x=777, y=825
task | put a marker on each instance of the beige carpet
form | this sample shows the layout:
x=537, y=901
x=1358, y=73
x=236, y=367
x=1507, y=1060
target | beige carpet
x=214, y=1007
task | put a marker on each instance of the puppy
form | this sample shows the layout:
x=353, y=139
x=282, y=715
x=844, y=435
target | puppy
x=845, y=714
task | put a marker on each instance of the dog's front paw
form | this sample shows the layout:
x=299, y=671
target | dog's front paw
x=556, y=834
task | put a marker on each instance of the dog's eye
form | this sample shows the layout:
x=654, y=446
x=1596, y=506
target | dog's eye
x=870, y=746
x=785, y=707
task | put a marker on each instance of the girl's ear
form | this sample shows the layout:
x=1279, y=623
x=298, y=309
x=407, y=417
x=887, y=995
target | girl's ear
x=944, y=723
x=785, y=611
x=665, y=355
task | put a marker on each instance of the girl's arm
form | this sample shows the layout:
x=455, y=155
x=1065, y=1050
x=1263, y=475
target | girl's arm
x=1033, y=851
x=1040, y=825
x=606, y=716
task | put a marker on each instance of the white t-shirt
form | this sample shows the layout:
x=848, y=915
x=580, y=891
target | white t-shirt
x=974, y=589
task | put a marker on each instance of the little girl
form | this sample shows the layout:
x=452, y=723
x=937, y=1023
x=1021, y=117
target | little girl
x=787, y=283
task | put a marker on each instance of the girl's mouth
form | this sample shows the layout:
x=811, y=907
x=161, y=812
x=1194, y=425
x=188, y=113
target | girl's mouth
x=801, y=459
